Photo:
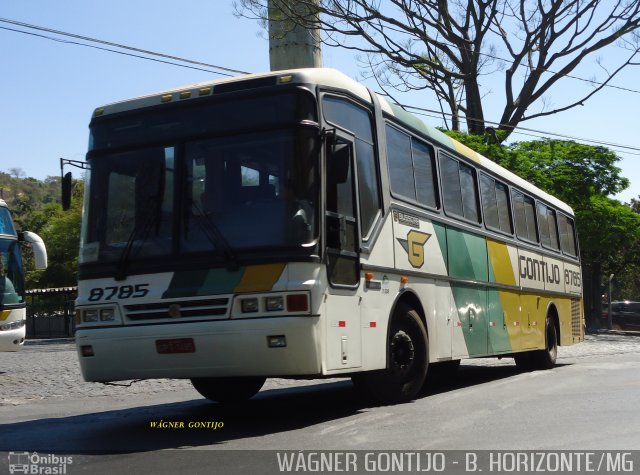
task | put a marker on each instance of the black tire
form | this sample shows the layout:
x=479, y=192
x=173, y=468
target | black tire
x=408, y=353
x=546, y=359
x=228, y=390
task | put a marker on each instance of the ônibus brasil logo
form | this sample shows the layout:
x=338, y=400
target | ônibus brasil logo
x=50, y=464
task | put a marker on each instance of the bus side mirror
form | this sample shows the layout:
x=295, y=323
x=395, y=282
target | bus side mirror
x=338, y=163
x=66, y=191
x=39, y=249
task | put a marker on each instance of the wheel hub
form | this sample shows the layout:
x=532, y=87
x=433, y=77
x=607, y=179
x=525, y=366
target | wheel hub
x=402, y=352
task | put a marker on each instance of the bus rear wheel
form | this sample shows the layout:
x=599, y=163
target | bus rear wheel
x=408, y=353
x=541, y=359
x=228, y=390
x=546, y=359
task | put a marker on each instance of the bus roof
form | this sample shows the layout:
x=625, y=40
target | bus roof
x=334, y=79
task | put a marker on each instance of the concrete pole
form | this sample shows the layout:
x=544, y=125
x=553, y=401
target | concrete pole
x=290, y=45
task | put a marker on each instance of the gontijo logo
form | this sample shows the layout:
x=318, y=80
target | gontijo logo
x=414, y=247
x=50, y=464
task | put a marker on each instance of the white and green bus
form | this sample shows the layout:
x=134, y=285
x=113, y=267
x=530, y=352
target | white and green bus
x=296, y=224
x=13, y=316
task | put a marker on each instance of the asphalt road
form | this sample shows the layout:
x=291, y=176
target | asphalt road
x=588, y=402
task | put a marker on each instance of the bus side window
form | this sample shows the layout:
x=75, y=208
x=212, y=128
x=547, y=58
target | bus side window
x=459, y=189
x=495, y=204
x=525, y=217
x=548, y=227
x=411, y=168
x=567, y=235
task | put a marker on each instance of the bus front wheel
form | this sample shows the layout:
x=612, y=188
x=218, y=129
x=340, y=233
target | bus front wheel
x=228, y=390
x=408, y=354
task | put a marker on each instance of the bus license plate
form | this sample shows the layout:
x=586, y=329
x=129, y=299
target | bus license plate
x=176, y=345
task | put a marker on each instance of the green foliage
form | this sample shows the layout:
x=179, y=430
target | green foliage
x=35, y=206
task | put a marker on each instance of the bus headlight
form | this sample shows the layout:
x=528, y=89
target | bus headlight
x=249, y=305
x=271, y=304
x=90, y=315
x=107, y=315
x=274, y=304
x=12, y=325
x=97, y=315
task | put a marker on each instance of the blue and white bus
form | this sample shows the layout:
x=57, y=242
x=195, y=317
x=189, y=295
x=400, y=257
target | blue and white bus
x=12, y=291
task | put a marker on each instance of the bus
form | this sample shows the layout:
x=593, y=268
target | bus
x=13, y=316
x=295, y=224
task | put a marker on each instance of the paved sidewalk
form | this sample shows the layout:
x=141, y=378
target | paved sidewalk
x=48, y=369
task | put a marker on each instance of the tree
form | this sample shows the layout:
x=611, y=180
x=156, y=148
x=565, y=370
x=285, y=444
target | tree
x=447, y=47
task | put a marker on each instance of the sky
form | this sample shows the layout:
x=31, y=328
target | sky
x=50, y=89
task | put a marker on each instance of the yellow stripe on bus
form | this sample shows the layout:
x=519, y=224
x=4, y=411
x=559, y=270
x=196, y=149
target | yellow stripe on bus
x=260, y=278
x=466, y=151
x=501, y=262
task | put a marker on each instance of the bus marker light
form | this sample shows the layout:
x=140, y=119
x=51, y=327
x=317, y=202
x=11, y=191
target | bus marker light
x=342, y=323
x=285, y=79
x=404, y=280
x=373, y=324
x=276, y=341
x=368, y=276
x=205, y=91
x=86, y=350
x=166, y=98
x=185, y=94
x=297, y=303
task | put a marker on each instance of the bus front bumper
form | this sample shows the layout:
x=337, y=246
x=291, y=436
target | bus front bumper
x=12, y=340
x=201, y=349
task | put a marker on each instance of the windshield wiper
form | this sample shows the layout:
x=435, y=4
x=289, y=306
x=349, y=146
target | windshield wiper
x=215, y=237
x=141, y=232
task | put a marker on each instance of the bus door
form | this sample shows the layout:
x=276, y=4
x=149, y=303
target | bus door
x=343, y=266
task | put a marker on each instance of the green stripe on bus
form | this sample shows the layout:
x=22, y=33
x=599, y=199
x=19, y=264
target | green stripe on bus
x=479, y=309
x=203, y=282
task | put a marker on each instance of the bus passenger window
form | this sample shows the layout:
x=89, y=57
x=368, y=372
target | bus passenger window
x=400, y=166
x=424, y=171
x=567, y=235
x=548, y=227
x=459, y=189
x=525, y=217
x=495, y=204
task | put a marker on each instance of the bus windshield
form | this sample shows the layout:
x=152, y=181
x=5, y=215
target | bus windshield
x=214, y=196
x=6, y=225
x=11, y=273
